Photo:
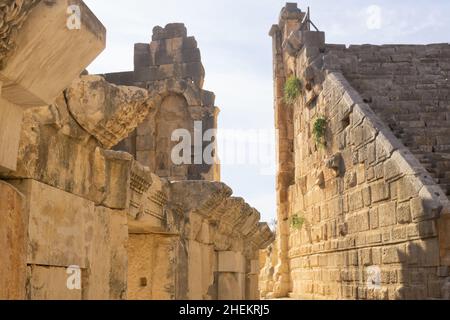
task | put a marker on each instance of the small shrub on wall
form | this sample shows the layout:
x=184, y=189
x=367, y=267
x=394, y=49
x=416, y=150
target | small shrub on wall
x=319, y=131
x=297, y=222
x=292, y=89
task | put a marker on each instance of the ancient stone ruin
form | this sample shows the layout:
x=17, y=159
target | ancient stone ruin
x=364, y=167
x=90, y=205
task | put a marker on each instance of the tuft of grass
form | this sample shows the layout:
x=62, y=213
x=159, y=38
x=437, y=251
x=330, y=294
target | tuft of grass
x=292, y=89
x=297, y=222
x=319, y=130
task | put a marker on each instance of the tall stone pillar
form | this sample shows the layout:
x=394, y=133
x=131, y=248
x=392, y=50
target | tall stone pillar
x=290, y=20
x=284, y=174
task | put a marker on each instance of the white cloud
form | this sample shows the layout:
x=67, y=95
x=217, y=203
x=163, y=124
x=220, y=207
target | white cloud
x=374, y=17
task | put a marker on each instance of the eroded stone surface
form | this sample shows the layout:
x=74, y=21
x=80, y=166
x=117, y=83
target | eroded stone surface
x=13, y=237
x=108, y=112
x=375, y=209
x=32, y=76
x=105, y=224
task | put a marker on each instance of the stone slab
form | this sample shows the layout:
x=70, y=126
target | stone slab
x=12, y=243
x=119, y=255
x=231, y=286
x=230, y=261
x=11, y=117
x=96, y=285
x=44, y=62
x=57, y=224
x=50, y=283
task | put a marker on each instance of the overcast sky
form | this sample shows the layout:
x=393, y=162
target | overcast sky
x=237, y=54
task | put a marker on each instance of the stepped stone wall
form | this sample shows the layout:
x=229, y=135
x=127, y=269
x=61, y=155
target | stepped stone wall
x=408, y=88
x=361, y=214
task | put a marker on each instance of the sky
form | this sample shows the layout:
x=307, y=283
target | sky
x=237, y=55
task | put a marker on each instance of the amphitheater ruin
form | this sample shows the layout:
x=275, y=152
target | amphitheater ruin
x=364, y=168
x=93, y=208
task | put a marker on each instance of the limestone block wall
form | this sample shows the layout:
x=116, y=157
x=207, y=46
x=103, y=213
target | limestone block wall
x=76, y=194
x=221, y=237
x=13, y=224
x=80, y=221
x=131, y=234
x=151, y=276
x=407, y=86
x=365, y=219
x=31, y=77
x=171, y=66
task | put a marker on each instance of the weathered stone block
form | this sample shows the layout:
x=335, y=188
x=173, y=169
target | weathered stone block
x=374, y=218
x=408, y=188
x=172, y=30
x=404, y=213
x=51, y=283
x=152, y=263
x=56, y=225
x=32, y=76
x=11, y=117
x=231, y=286
x=230, y=261
x=119, y=256
x=312, y=39
x=142, y=58
x=379, y=191
x=202, y=265
x=394, y=254
x=96, y=284
x=13, y=237
x=108, y=112
x=423, y=209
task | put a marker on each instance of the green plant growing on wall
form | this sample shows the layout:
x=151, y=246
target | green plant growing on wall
x=297, y=222
x=292, y=89
x=319, y=131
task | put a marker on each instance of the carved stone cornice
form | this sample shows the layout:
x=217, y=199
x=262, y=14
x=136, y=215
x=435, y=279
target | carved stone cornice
x=108, y=112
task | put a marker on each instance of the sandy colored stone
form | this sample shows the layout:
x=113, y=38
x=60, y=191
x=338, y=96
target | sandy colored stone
x=119, y=256
x=56, y=226
x=96, y=285
x=55, y=150
x=151, y=273
x=134, y=227
x=231, y=262
x=381, y=213
x=108, y=112
x=50, y=283
x=11, y=117
x=230, y=286
x=13, y=237
x=32, y=76
x=202, y=267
